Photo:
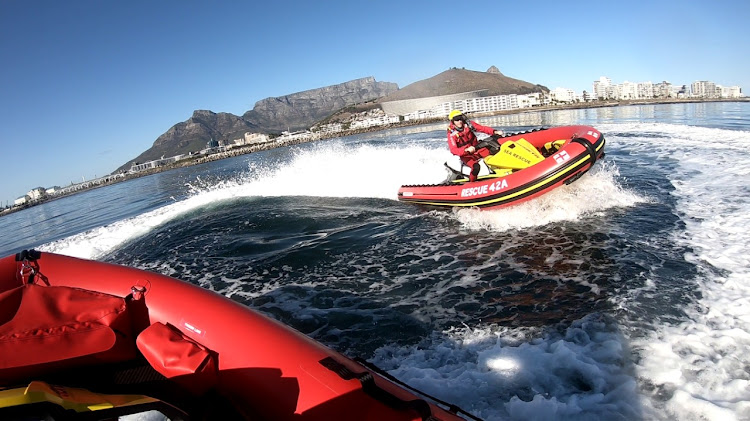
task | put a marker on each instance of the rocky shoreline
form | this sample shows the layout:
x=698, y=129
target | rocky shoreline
x=271, y=145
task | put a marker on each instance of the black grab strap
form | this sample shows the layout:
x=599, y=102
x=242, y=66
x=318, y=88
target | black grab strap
x=589, y=147
x=30, y=255
x=371, y=388
x=27, y=265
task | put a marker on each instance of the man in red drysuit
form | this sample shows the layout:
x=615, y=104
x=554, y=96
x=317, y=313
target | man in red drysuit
x=463, y=142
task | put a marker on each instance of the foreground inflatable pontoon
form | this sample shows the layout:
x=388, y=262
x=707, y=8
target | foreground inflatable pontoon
x=524, y=165
x=82, y=339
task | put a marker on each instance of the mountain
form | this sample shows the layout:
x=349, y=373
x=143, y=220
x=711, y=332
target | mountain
x=455, y=81
x=271, y=115
x=193, y=134
x=303, y=109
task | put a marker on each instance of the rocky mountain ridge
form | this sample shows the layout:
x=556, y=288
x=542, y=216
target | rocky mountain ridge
x=271, y=115
x=303, y=109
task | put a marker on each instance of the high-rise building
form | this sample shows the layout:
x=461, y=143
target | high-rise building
x=603, y=88
x=703, y=89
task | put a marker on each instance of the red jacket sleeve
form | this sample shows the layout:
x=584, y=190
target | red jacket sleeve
x=484, y=129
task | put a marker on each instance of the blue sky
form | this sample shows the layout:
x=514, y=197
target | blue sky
x=87, y=85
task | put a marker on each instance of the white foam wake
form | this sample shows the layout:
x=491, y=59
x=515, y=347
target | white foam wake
x=518, y=374
x=699, y=368
x=592, y=194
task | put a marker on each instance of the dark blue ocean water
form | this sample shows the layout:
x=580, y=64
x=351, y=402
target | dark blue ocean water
x=622, y=296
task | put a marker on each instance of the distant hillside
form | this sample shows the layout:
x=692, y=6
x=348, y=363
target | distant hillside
x=455, y=81
x=193, y=134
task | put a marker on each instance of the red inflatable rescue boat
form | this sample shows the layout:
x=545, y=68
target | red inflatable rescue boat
x=523, y=166
x=82, y=339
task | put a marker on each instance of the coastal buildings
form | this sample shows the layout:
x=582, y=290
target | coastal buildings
x=374, y=119
x=604, y=90
x=40, y=194
x=33, y=195
x=138, y=167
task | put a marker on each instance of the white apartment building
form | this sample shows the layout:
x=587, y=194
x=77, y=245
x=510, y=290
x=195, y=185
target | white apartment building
x=426, y=114
x=252, y=138
x=663, y=90
x=703, y=89
x=564, y=95
x=625, y=91
x=530, y=100
x=37, y=193
x=603, y=88
x=298, y=135
x=136, y=167
x=645, y=89
x=487, y=104
x=247, y=139
x=330, y=128
x=731, y=92
x=482, y=105
x=379, y=120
